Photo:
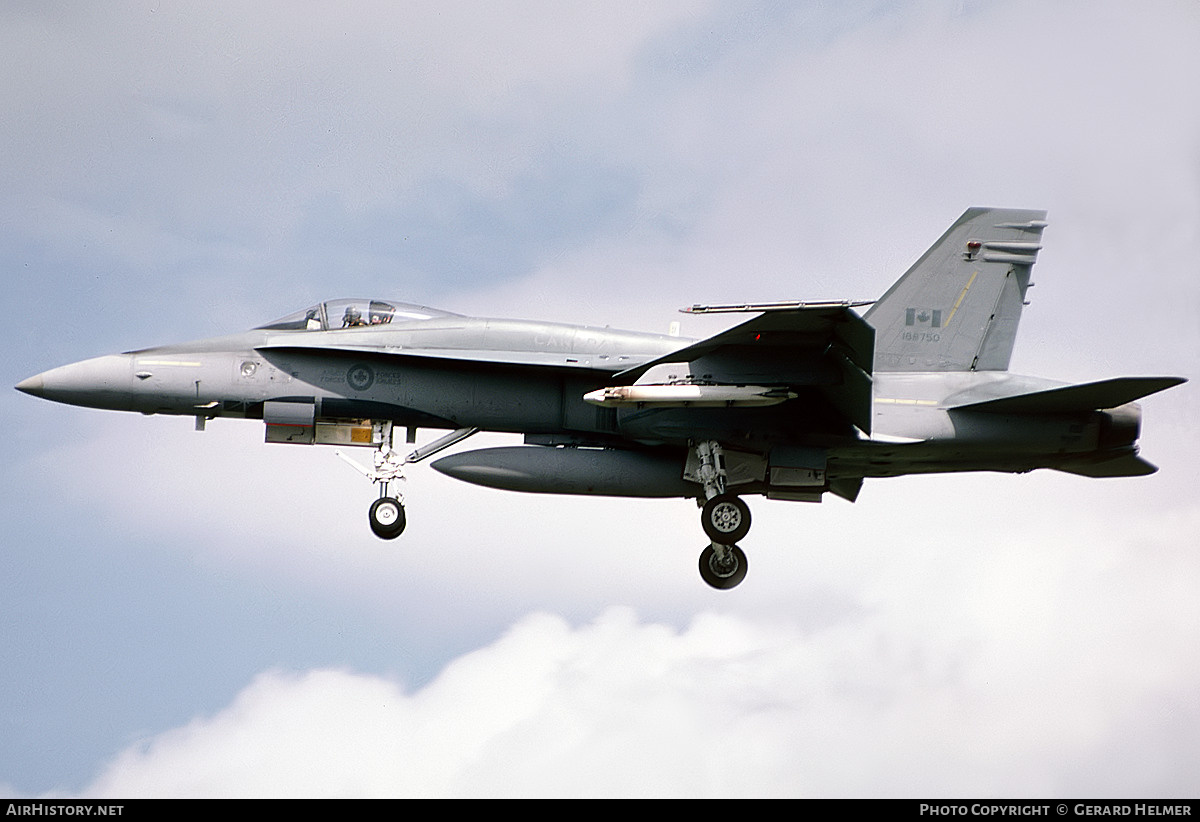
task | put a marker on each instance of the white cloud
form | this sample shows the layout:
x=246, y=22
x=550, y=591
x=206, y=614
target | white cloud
x=727, y=707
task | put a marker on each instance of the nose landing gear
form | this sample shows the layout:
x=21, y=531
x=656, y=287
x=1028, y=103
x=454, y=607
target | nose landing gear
x=386, y=515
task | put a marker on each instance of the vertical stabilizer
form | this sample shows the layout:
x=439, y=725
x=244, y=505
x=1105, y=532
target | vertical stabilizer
x=957, y=308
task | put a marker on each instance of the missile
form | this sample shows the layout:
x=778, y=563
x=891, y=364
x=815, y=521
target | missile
x=682, y=395
x=541, y=469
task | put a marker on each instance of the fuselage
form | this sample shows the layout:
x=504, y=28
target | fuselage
x=440, y=370
x=498, y=375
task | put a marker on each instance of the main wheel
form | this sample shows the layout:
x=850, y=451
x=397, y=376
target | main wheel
x=723, y=573
x=387, y=517
x=726, y=519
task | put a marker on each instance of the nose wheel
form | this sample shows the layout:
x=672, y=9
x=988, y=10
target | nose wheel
x=387, y=517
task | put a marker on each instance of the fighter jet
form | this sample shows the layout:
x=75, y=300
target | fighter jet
x=800, y=400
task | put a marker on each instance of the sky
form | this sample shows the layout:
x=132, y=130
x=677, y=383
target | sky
x=203, y=614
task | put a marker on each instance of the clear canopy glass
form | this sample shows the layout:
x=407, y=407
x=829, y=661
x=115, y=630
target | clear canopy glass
x=334, y=315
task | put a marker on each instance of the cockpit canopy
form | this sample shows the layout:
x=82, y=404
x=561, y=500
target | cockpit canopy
x=334, y=315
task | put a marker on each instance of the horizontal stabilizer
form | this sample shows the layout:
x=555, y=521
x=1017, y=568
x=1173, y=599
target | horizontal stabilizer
x=1130, y=465
x=1075, y=398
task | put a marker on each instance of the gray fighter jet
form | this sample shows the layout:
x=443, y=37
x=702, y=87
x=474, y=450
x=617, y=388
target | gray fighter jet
x=800, y=400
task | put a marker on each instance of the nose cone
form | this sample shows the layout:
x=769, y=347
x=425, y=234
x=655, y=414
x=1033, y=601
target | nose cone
x=102, y=382
x=32, y=386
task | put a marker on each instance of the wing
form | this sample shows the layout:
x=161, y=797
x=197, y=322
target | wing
x=821, y=352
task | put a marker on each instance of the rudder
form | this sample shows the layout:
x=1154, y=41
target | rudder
x=957, y=308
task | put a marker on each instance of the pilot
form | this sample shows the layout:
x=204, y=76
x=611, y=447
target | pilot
x=381, y=313
x=352, y=317
x=312, y=320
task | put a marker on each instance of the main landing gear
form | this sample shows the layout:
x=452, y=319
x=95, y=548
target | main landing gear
x=386, y=514
x=725, y=519
x=722, y=566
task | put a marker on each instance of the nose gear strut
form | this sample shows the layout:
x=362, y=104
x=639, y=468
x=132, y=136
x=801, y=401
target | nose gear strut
x=386, y=515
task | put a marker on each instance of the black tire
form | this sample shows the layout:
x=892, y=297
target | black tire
x=387, y=517
x=723, y=575
x=726, y=519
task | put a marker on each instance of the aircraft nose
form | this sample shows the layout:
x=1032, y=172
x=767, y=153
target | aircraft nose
x=34, y=386
x=102, y=382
